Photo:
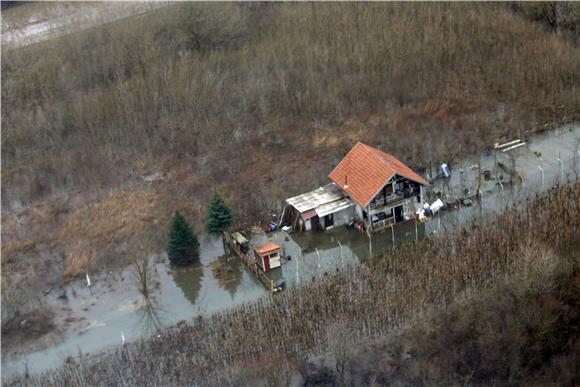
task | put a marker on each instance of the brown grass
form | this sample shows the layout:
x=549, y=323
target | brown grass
x=78, y=261
x=254, y=91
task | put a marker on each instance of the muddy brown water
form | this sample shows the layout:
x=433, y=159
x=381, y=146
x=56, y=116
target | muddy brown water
x=115, y=308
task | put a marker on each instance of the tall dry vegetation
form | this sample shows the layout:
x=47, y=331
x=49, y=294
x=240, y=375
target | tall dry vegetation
x=273, y=335
x=233, y=87
x=524, y=331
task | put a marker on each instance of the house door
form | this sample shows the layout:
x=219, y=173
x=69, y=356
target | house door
x=315, y=221
x=267, y=263
x=399, y=214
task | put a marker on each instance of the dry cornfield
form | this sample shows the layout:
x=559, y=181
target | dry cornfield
x=371, y=300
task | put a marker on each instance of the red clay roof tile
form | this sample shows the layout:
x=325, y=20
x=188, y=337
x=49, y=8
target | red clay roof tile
x=364, y=171
x=267, y=247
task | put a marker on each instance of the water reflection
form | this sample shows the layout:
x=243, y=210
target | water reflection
x=189, y=280
x=227, y=270
x=151, y=317
x=344, y=241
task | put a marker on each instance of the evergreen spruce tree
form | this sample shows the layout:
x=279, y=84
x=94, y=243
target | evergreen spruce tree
x=183, y=246
x=219, y=215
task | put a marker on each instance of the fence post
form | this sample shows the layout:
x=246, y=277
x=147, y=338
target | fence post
x=542, y=174
x=318, y=254
x=89, y=285
x=561, y=168
x=416, y=233
x=297, y=270
x=393, y=236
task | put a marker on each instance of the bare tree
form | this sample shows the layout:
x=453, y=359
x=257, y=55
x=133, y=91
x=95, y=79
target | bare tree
x=142, y=273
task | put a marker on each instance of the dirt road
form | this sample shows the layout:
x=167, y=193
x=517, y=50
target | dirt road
x=36, y=22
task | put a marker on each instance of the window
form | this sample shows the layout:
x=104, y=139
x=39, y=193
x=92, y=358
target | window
x=329, y=220
x=418, y=198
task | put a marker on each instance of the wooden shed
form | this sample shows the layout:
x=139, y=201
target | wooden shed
x=268, y=256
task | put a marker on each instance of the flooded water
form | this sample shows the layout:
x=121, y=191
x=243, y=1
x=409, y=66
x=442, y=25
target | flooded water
x=115, y=309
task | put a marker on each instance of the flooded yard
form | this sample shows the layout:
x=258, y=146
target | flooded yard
x=113, y=311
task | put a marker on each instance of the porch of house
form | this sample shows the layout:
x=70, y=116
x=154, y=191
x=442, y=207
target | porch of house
x=393, y=203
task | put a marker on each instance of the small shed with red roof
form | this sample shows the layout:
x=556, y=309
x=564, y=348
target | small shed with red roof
x=268, y=256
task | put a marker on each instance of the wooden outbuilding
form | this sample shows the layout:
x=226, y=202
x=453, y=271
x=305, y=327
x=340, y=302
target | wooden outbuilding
x=268, y=256
x=321, y=209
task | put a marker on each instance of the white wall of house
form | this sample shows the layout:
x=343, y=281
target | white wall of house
x=359, y=211
x=340, y=218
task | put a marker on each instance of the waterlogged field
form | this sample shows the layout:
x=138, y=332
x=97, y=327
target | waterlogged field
x=107, y=131
x=414, y=281
x=90, y=321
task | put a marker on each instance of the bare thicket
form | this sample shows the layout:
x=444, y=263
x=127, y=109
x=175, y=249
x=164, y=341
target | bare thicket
x=238, y=88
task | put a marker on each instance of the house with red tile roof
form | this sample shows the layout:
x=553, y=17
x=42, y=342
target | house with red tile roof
x=369, y=187
x=383, y=189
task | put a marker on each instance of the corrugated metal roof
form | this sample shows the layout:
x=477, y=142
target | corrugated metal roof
x=331, y=208
x=364, y=171
x=267, y=247
x=310, y=200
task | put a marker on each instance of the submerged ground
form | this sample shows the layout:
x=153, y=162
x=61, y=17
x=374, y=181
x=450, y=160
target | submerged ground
x=95, y=319
x=108, y=131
